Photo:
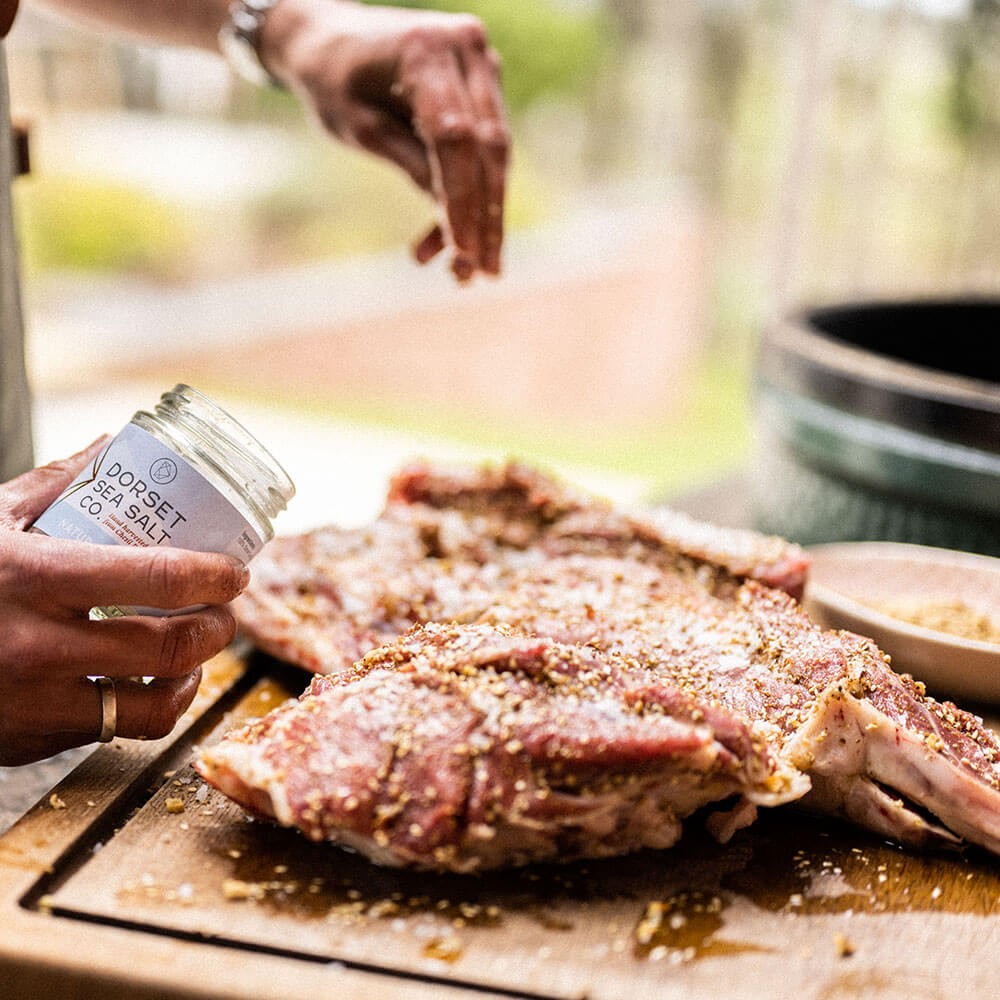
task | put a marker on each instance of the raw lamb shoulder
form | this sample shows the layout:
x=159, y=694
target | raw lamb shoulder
x=510, y=672
x=491, y=747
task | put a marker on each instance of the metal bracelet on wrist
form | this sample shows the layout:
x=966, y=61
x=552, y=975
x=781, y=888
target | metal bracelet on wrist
x=239, y=40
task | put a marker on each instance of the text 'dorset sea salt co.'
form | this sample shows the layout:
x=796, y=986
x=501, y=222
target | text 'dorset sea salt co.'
x=186, y=475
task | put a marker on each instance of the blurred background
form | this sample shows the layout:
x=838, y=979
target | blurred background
x=682, y=171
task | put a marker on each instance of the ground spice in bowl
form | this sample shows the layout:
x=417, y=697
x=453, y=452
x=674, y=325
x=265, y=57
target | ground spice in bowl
x=948, y=615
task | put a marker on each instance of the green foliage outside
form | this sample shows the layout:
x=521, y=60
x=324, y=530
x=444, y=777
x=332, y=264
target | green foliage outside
x=971, y=108
x=75, y=223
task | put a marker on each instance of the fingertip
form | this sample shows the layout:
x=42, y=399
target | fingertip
x=241, y=574
x=430, y=246
x=491, y=265
x=184, y=692
x=224, y=628
x=232, y=626
x=95, y=446
x=190, y=686
x=231, y=579
x=462, y=268
x=78, y=460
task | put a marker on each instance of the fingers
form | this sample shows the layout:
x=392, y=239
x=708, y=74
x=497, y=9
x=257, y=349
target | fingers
x=22, y=500
x=381, y=133
x=150, y=711
x=419, y=88
x=150, y=647
x=79, y=576
x=44, y=710
x=457, y=107
x=493, y=138
x=50, y=647
x=143, y=710
x=38, y=648
x=165, y=648
x=444, y=119
x=72, y=715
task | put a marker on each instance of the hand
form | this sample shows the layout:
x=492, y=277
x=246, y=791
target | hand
x=419, y=88
x=50, y=647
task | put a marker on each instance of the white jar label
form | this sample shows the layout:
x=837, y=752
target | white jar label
x=140, y=492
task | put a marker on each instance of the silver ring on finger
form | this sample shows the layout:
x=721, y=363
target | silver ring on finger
x=109, y=708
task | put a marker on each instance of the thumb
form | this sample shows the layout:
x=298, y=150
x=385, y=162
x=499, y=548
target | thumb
x=23, y=499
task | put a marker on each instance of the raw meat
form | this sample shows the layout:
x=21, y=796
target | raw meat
x=446, y=543
x=520, y=506
x=595, y=679
x=467, y=747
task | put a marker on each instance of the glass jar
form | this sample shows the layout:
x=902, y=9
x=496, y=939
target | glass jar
x=186, y=475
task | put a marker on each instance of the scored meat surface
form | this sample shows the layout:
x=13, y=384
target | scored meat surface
x=513, y=672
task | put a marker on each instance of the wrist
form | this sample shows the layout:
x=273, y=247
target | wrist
x=241, y=40
x=294, y=29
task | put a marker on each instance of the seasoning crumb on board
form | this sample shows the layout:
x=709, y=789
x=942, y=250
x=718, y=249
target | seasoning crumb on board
x=174, y=805
x=55, y=802
x=446, y=949
x=843, y=944
x=235, y=888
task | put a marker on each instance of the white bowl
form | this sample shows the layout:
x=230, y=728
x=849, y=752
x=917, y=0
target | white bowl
x=851, y=584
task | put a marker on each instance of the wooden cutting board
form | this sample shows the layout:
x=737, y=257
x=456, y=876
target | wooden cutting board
x=135, y=879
